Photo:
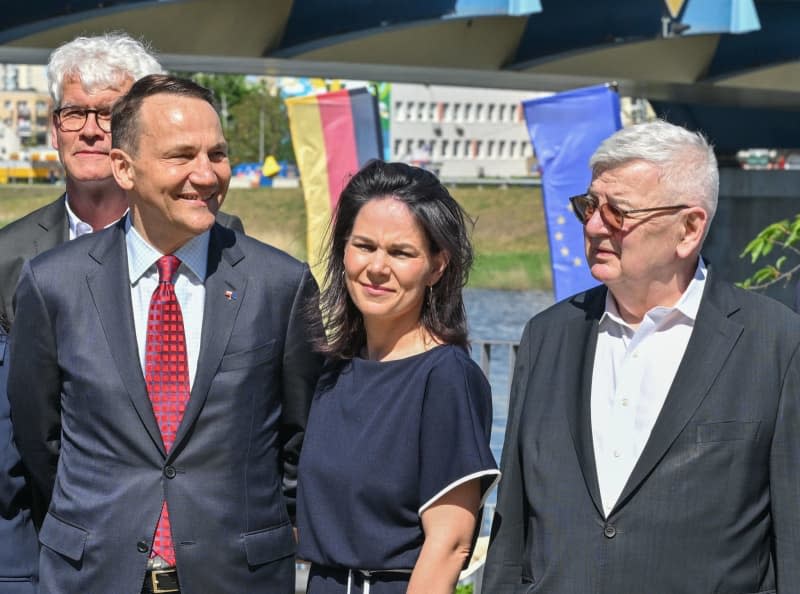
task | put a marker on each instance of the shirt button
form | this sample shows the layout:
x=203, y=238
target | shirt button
x=170, y=472
x=609, y=531
x=636, y=354
x=142, y=546
x=624, y=402
x=617, y=454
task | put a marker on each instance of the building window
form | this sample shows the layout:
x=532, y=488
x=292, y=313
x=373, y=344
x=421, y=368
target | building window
x=456, y=112
x=490, y=112
x=422, y=111
x=478, y=152
x=445, y=146
x=479, y=112
x=433, y=111
x=490, y=149
x=399, y=113
x=525, y=150
x=410, y=111
x=456, y=148
x=398, y=146
x=409, y=148
x=512, y=149
x=501, y=149
x=515, y=112
x=501, y=112
x=467, y=111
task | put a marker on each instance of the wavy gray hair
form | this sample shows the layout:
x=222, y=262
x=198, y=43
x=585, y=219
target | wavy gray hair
x=99, y=62
x=688, y=167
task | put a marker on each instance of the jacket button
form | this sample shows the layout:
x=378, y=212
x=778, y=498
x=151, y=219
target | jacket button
x=609, y=531
x=170, y=472
x=142, y=546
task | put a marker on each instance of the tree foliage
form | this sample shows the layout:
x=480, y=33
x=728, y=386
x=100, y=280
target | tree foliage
x=241, y=102
x=783, y=237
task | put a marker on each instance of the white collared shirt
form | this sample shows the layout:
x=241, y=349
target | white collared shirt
x=189, y=288
x=77, y=227
x=633, y=372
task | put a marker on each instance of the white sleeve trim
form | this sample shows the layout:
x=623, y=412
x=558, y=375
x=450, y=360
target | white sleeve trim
x=461, y=481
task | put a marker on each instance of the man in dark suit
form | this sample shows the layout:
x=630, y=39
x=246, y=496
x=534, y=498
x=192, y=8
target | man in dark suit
x=161, y=374
x=652, y=443
x=85, y=77
x=19, y=550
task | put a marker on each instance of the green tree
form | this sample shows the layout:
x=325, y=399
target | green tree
x=784, y=237
x=259, y=114
x=249, y=111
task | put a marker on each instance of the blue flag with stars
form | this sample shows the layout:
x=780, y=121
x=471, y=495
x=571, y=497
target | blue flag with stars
x=565, y=129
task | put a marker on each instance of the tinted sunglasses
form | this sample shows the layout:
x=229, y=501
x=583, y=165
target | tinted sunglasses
x=584, y=205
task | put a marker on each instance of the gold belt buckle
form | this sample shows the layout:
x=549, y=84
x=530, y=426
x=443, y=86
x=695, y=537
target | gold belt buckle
x=155, y=586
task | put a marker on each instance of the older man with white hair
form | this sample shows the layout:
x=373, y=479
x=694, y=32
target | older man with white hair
x=652, y=441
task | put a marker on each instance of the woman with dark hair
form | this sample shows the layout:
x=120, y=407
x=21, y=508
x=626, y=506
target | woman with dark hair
x=396, y=461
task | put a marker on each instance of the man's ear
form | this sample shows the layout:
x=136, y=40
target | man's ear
x=694, y=221
x=122, y=168
x=54, y=133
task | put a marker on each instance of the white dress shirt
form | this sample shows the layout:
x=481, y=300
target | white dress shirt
x=633, y=371
x=189, y=288
x=77, y=227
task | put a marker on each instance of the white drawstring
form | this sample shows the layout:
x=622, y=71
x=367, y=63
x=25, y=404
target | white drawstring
x=365, y=580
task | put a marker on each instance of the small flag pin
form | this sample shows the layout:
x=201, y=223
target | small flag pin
x=230, y=295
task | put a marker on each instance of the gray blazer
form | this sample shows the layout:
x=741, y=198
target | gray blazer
x=85, y=427
x=713, y=503
x=35, y=233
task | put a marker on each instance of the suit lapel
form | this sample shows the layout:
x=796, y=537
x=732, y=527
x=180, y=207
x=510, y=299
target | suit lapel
x=222, y=282
x=712, y=340
x=583, y=331
x=111, y=292
x=53, y=221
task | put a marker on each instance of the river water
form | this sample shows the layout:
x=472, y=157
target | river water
x=500, y=315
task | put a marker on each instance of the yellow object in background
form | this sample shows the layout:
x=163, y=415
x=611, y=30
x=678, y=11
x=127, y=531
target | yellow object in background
x=270, y=167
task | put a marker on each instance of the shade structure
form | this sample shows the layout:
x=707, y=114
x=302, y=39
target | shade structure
x=732, y=53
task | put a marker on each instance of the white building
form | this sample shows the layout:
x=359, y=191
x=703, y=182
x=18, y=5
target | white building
x=9, y=142
x=461, y=131
x=23, y=77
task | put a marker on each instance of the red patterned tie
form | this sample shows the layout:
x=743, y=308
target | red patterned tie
x=167, y=377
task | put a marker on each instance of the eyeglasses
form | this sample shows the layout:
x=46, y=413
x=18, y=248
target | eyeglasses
x=73, y=119
x=585, y=205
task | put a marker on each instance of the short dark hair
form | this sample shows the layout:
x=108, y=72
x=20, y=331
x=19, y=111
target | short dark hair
x=444, y=224
x=125, y=114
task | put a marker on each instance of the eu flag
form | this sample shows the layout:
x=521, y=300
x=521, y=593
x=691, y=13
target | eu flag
x=565, y=129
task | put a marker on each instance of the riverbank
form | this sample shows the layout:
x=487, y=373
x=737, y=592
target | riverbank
x=509, y=234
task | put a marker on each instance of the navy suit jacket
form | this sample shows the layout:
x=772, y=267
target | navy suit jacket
x=713, y=503
x=86, y=430
x=18, y=547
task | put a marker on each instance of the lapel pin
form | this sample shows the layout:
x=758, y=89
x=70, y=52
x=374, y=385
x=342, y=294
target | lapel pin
x=230, y=295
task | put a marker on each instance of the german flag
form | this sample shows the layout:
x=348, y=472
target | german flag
x=334, y=135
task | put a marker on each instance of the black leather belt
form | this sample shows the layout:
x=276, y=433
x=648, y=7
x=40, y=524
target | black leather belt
x=161, y=581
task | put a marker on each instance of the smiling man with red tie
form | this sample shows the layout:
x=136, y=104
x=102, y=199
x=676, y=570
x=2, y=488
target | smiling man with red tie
x=161, y=375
